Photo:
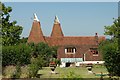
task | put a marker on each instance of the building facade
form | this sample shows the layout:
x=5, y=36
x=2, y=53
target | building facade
x=72, y=50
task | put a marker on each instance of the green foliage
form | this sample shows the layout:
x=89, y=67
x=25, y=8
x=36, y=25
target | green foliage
x=9, y=30
x=33, y=69
x=23, y=40
x=39, y=61
x=58, y=62
x=41, y=55
x=11, y=55
x=36, y=64
x=55, y=60
x=44, y=51
x=36, y=55
x=111, y=48
x=17, y=72
x=111, y=57
x=54, y=51
x=72, y=76
x=112, y=30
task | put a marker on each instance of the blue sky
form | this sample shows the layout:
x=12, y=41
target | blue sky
x=76, y=18
x=60, y=0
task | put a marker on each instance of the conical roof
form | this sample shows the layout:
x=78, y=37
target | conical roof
x=57, y=31
x=36, y=34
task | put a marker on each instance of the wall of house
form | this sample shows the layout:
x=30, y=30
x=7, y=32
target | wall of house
x=80, y=51
x=92, y=57
x=62, y=54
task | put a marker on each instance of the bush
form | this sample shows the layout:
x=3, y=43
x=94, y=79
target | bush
x=111, y=57
x=57, y=61
x=43, y=50
x=33, y=69
x=11, y=55
x=17, y=72
x=36, y=64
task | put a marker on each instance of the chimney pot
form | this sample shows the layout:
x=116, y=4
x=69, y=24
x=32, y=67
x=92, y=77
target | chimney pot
x=96, y=34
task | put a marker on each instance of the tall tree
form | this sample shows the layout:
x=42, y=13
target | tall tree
x=111, y=48
x=9, y=30
x=43, y=50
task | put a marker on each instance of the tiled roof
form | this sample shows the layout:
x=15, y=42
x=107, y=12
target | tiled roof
x=57, y=31
x=68, y=40
x=57, y=37
x=36, y=34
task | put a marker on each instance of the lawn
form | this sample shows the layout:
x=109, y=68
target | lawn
x=67, y=72
x=70, y=72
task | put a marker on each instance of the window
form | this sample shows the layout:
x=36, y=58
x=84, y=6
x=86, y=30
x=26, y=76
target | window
x=94, y=51
x=70, y=50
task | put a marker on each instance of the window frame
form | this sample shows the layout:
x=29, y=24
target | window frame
x=94, y=51
x=70, y=50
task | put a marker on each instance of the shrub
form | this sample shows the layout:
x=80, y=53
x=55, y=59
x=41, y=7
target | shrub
x=33, y=69
x=36, y=64
x=58, y=62
x=43, y=50
x=17, y=72
x=11, y=55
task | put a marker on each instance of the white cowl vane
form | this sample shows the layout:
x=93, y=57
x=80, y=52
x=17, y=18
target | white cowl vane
x=56, y=21
x=35, y=17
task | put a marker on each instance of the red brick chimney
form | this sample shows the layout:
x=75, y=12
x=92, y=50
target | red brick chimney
x=57, y=31
x=96, y=38
x=96, y=34
x=36, y=34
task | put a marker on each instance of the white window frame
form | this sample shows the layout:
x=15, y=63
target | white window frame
x=74, y=50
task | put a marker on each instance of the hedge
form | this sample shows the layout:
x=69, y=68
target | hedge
x=11, y=55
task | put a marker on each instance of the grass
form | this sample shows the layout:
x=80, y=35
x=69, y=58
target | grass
x=79, y=72
x=67, y=72
x=9, y=70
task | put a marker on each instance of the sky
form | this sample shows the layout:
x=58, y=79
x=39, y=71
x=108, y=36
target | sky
x=60, y=0
x=76, y=18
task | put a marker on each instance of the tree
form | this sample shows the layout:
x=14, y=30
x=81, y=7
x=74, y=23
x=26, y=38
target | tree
x=110, y=48
x=43, y=50
x=23, y=40
x=9, y=30
x=41, y=56
x=12, y=55
x=36, y=64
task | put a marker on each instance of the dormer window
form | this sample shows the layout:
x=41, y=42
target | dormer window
x=70, y=50
x=94, y=51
